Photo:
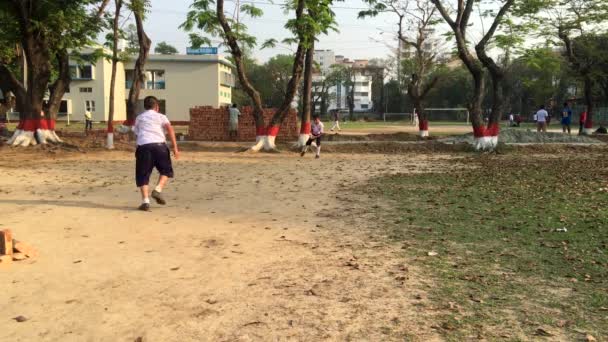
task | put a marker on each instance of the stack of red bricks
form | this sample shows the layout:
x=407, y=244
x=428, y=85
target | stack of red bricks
x=211, y=124
x=13, y=250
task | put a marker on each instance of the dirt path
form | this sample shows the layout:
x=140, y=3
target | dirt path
x=243, y=251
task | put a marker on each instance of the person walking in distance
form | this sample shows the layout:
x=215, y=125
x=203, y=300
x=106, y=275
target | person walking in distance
x=581, y=122
x=566, y=118
x=233, y=129
x=335, y=116
x=541, y=119
x=88, y=121
x=316, y=130
x=152, y=151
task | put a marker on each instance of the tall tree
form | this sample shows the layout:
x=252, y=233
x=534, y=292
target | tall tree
x=139, y=9
x=233, y=33
x=574, y=23
x=321, y=20
x=46, y=31
x=486, y=136
x=164, y=48
x=420, y=17
x=307, y=103
x=115, y=60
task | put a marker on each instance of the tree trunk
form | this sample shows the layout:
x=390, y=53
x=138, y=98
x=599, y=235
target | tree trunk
x=351, y=101
x=110, y=136
x=38, y=61
x=267, y=142
x=139, y=76
x=237, y=54
x=588, y=82
x=487, y=138
x=307, y=105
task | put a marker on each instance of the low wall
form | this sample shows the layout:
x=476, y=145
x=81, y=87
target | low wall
x=211, y=124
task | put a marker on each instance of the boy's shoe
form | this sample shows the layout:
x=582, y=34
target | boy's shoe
x=158, y=197
x=144, y=207
x=317, y=156
x=302, y=153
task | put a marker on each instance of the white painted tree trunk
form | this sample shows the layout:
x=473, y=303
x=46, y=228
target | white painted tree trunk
x=22, y=138
x=46, y=136
x=423, y=133
x=110, y=141
x=265, y=143
x=488, y=143
x=587, y=131
x=302, y=139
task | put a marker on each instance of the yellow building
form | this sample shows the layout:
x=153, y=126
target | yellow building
x=180, y=82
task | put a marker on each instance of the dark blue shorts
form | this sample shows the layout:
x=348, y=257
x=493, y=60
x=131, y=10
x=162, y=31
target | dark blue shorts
x=312, y=138
x=148, y=157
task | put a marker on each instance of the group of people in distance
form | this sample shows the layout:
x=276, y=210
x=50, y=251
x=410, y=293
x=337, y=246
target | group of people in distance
x=543, y=118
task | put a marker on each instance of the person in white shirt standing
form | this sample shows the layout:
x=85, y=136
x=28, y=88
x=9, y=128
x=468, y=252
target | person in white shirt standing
x=316, y=132
x=88, y=121
x=541, y=119
x=233, y=129
x=152, y=151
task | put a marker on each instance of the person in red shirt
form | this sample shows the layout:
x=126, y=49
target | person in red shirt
x=582, y=122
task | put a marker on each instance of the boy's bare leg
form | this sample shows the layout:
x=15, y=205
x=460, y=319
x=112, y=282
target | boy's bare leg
x=162, y=181
x=156, y=194
x=145, y=193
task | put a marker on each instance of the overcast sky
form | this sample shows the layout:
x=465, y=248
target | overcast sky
x=357, y=38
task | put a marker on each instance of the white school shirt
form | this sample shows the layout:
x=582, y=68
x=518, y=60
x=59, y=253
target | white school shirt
x=150, y=127
x=541, y=115
x=316, y=129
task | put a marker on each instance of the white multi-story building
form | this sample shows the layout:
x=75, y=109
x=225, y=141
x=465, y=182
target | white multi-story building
x=339, y=93
x=180, y=82
x=325, y=59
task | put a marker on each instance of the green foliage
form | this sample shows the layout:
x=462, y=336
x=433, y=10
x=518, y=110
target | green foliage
x=62, y=25
x=164, y=48
x=454, y=90
x=203, y=17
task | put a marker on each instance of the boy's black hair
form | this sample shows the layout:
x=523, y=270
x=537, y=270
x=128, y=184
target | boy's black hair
x=150, y=102
x=542, y=106
x=316, y=116
x=234, y=105
x=565, y=104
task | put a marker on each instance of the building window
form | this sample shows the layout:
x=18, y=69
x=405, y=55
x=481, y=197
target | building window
x=129, y=74
x=81, y=72
x=227, y=79
x=364, y=106
x=86, y=90
x=363, y=94
x=89, y=106
x=63, y=107
x=155, y=79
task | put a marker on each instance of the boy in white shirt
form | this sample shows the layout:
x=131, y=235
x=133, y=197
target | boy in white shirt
x=152, y=151
x=541, y=119
x=316, y=130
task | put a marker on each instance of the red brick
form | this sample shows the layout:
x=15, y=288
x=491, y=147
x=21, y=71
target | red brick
x=6, y=242
x=211, y=124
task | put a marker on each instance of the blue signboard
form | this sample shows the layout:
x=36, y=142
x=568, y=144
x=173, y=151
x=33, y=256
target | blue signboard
x=208, y=50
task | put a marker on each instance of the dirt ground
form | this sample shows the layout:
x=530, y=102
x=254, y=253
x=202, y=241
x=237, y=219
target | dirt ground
x=248, y=248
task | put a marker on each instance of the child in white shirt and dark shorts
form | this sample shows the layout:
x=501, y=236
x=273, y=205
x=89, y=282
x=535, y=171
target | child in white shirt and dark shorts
x=316, y=130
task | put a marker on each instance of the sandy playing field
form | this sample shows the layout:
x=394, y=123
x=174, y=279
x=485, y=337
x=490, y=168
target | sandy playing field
x=249, y=247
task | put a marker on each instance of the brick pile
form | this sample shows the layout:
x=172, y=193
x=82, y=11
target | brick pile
x=211, y=124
